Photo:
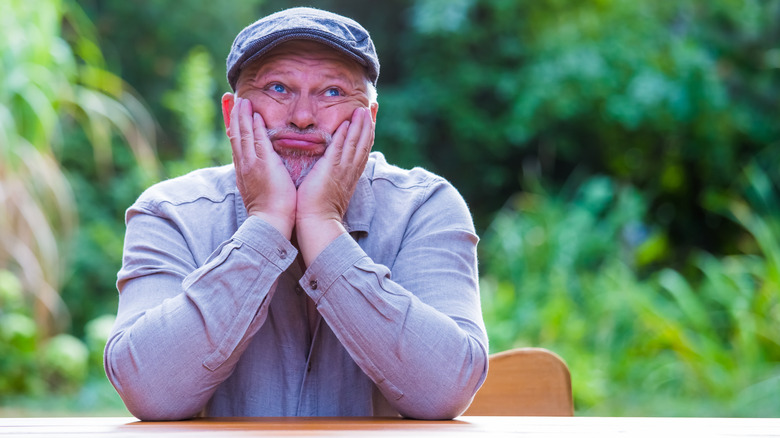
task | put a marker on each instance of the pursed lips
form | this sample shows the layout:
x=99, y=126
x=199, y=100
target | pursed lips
x=303, y=143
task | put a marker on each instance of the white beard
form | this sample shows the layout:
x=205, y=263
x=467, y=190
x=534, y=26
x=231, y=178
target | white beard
x=298, y=163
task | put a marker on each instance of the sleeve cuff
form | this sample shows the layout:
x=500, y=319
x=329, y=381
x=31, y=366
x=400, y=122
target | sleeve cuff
x=266, y=240
x=339, y=256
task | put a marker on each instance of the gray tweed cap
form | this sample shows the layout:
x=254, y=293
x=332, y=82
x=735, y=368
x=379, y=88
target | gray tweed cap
x=336, y=31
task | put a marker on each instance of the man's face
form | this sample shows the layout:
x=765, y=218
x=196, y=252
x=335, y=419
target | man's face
x=303, y=91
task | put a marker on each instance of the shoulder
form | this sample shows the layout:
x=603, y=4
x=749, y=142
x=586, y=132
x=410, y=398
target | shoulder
x=379, y=170
x=420, y=193
x=213, y=184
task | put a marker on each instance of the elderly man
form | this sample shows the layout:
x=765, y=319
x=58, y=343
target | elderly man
x=310, y=277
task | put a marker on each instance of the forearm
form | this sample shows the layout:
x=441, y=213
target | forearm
x=428, y=361
x=167, y=356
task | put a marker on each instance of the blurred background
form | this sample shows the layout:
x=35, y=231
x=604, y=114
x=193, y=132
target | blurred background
x=620, y=159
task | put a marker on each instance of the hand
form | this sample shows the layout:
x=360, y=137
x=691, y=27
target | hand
x=263, y=181
x=324, y=195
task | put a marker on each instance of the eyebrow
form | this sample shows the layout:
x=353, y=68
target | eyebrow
x=339, y=77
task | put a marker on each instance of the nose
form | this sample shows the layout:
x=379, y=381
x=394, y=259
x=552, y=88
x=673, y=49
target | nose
x=303, y=112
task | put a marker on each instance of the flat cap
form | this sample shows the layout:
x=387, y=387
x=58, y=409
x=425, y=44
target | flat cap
x=338, y=32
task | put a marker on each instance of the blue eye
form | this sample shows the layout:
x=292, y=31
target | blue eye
x=279, y=88
x=333, y=92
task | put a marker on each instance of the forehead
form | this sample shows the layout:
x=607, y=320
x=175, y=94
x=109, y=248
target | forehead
x=309, y=55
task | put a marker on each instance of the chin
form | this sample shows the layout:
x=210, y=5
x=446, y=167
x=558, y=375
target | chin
x=299, y=166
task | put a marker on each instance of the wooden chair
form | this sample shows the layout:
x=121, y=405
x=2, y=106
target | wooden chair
x=525, y=381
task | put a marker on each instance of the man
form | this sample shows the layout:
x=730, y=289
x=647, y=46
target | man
x=310, y=277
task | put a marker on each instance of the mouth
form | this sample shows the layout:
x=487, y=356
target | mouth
x=299, y=143
x=303, y=142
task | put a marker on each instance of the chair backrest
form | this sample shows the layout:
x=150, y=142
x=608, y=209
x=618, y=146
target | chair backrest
x=525, y=381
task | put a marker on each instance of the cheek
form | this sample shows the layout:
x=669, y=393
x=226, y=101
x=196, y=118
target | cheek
x=331, y=118
x=272, y=112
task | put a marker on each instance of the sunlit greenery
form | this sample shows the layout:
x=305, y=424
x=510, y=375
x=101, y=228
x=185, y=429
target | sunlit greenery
x=54, y=88
x=620, y=158
x=561, y=271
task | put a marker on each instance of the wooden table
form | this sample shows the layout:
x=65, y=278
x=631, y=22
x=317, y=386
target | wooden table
x=395, y=427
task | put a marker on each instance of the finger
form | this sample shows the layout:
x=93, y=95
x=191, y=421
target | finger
x=353, y=136
x=262, y=145
x=234, y=133
x=366, y=140
x=245, y=126
x=336, y=147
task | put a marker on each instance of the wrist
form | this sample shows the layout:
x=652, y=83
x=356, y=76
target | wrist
x=315, y=219
x=282, y=224
x=315, y=234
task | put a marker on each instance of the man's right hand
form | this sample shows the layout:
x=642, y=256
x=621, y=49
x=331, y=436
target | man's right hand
x=263, y=181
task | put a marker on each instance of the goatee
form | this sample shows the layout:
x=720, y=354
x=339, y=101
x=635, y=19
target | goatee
x=298, y=163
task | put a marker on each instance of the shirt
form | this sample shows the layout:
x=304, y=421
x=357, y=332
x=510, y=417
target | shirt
x=218, y=316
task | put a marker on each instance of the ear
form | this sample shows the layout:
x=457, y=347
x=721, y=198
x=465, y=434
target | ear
x=374, y=109
x=228, y=100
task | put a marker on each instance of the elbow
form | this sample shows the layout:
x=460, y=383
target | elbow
x=158, y=412
x=155, y=409
x=153, y=404
x=157, y=406
x=446, y=406
x=146, y=396
x=453, y=395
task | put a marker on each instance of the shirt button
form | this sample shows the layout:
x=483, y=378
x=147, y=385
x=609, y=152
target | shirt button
x=313, y=284
x=282, y=253
x=298, y=289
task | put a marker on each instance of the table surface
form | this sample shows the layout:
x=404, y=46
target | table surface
x=366, y=426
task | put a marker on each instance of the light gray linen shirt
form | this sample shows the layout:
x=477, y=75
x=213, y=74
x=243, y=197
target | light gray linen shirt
x=216, y=314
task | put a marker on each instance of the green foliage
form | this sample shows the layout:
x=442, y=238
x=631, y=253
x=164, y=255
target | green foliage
x=192, y=101
x=54, y=84
x=671, y=97
x=35, y=69
x=148, y=41
x=101, y=200
x=18, y=335
x=96, y=334
x=64, y=362
x=657, y=281
x=58, y=104
x=561, y=272
x=34, y=364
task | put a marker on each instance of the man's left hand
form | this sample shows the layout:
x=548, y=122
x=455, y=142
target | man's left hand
x=324, y=195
